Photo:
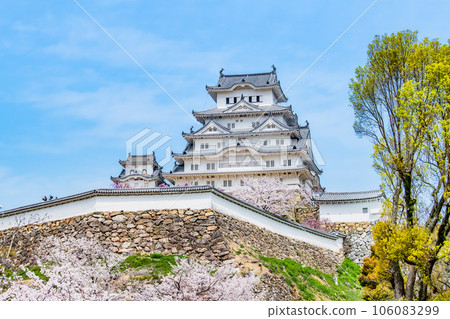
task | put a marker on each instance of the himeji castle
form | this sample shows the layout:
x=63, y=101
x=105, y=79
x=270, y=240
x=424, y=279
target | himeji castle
x=248, y=134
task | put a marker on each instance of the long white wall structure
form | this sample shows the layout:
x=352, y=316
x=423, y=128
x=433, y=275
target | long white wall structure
x=200, y=197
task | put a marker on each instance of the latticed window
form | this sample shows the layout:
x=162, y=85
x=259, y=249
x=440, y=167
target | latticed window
x=270, y=163
x=227, y=183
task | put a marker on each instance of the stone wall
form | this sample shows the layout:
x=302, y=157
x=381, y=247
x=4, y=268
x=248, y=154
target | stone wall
x=269, y=244
x=358, y=240
x=203, y=234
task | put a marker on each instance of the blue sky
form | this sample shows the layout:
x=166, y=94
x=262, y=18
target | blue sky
x=70, y=98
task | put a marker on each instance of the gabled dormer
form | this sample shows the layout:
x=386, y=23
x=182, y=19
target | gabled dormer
x=211, y=127
x=271, y=124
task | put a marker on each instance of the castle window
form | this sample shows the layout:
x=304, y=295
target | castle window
x=144, y=172
x=210, y=166
x=259, y=98
x=242, y=183
x=235, y=99
x=270, y=163
x=287, y=162
x=250, y=98
x=228, y=100
x=280, y=142
x=132, y=171
x=231, y=125
x=265, y=142
x=365, y=210
x=194, y=167
x=227, y=183
x=210, y=183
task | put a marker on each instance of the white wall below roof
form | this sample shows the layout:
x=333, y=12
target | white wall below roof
x=267, y=96
x=203, y=200
x=291, y=181
x=351, y=212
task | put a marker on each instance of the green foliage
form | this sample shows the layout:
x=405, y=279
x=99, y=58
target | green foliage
x=401, y=101
x=314, y=284
x=22, y=273
x=375, y=279
x=445, y=296
x=401, y=243
x=154, y=266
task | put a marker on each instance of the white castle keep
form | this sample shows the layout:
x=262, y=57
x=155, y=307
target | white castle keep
x=247, y=134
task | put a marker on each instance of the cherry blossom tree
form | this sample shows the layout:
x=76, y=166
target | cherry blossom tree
x=163, y=185
x=77, y=269
x=316, y=223
x=192, y=280
x=81, y=269
x=272, y=195
x=120, y=185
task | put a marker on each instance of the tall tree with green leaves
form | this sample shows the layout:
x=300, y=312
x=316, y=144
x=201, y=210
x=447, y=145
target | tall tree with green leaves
x=400, y=101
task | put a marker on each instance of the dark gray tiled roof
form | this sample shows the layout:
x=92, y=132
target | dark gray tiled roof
x=257, y=80
x=348, y=196
x=304, y=132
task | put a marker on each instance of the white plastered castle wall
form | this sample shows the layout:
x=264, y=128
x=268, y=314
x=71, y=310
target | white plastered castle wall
x=351, y=212
x=202, y=200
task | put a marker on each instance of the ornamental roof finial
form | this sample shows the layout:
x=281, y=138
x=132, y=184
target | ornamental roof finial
x=274, y=68
x=221, y=71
